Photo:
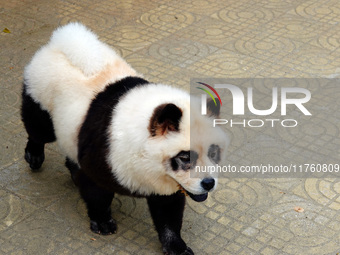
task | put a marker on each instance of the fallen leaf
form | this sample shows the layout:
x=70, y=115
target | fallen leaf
x=93, y=239
x=298, y=209
x=6, y=30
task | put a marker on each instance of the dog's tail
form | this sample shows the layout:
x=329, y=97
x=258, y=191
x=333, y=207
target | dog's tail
x=82, y=48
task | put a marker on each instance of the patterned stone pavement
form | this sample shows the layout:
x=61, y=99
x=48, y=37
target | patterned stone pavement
x=171, y=42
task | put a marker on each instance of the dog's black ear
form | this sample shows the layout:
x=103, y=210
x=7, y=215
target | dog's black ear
x=165, y=119
x=213, y=110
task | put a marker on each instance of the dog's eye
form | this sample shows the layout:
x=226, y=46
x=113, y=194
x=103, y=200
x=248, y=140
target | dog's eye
x=184, y=158
x=214, y=153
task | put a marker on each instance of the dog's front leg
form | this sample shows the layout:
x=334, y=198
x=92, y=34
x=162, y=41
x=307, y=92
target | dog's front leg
x=167, y=215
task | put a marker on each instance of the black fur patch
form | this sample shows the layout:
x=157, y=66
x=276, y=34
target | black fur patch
x=212, y=109
x=165, y=118
x=74, y=170
x=92, y=145
x=214, y=153
x=37, y=121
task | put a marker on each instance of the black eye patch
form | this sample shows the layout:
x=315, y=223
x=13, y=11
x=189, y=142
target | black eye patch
x=214, y=153
x=184, y=160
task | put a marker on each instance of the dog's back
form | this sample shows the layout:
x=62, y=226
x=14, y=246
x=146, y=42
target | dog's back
x=66, y=74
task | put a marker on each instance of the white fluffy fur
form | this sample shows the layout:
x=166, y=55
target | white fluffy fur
x=82, y=48
x=65, y=75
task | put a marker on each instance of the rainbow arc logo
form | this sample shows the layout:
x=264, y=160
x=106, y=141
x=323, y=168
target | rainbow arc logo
x=209, y=93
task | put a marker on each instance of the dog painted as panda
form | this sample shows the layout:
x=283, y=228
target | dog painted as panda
x=119, y=133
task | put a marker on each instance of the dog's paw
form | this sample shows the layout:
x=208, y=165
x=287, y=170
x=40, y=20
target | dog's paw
x=176, y=247
x=104, y=228
x=35, y=161
x=187, y=251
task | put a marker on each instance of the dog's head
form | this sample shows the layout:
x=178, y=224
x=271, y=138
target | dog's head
x=160, y=142
x=190, y=145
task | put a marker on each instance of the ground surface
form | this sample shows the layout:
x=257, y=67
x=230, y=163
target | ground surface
x=171, y=42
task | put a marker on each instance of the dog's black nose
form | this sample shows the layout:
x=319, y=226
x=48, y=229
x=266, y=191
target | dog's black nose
x=208, y=183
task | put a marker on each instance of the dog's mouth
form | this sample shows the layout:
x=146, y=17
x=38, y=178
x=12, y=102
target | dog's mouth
x=197, y=198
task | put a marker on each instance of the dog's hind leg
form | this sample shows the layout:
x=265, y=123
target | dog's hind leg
x=98, y=202
x=39, y=127
x=74, y=170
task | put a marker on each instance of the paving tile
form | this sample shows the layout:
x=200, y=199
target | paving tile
x=167, y=18
x=13, y=210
